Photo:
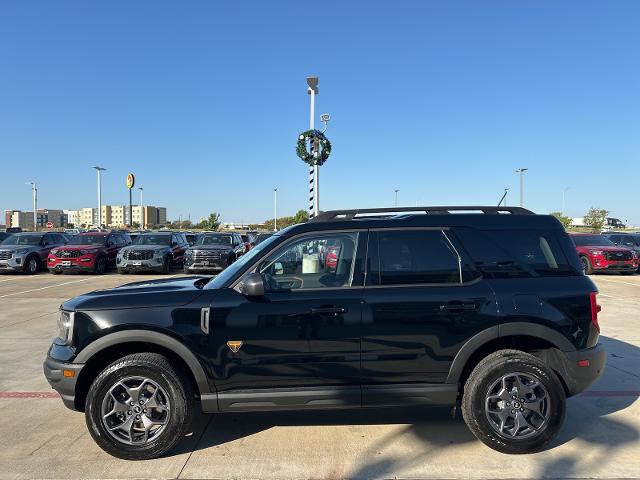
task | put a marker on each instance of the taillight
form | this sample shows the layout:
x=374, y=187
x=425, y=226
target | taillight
x=595, y=308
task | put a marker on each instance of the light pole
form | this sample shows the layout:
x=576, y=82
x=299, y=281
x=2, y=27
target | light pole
x=34, y=189
x=275, y=209
x=99, y=170
x=396, y=200
x=521, y=171
x=564, y=191
x=142, y=215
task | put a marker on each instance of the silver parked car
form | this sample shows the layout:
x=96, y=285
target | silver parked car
x=152, y=251
x=213, y=252
x=27, y=252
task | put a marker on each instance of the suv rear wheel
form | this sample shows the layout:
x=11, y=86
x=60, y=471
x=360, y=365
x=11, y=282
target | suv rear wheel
x=513, y=403
x=139, y=407
x=587, y=268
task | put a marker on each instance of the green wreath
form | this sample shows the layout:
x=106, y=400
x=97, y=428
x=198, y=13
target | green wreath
x=317, y=158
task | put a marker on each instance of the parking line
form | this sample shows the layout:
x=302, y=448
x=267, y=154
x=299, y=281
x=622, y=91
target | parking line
x=616, y=281
x=44, y=288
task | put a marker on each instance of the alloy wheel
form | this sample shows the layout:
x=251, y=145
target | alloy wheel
x=135, y=410
x=517, y=406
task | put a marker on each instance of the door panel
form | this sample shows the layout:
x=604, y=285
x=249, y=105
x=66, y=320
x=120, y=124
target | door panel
x=288, y=339
x=413, y=334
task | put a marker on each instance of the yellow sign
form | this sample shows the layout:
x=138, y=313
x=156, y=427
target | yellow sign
x=131, y=181
x=234, y=345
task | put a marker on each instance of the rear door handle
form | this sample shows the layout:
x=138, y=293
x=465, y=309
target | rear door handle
x=328, y=310
x=458, y=307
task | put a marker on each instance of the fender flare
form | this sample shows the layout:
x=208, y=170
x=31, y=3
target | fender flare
x=505, y=330
x=148, y=336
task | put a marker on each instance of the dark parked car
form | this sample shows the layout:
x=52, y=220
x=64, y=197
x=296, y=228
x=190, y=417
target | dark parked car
x=152, y=251
x=88, y=252
x=627, y=240
x=27, y=252
x=213, y=252
x=599, y=254
x=489, y=310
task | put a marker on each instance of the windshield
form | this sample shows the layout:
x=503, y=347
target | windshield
x=229, y=272
x=89, y=240
x=215, y=240
x=591, y=241
x=23, y=240
x=152, y=240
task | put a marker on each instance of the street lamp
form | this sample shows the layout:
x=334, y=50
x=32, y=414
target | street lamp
x=34, y=189
x=396, y=192
x=142, y=215
x=275, y=209
x=99, y=170
x=521, y=171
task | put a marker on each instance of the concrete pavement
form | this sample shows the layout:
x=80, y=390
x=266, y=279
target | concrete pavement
x=39, y=438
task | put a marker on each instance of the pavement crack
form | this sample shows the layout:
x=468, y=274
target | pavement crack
x=195, y=446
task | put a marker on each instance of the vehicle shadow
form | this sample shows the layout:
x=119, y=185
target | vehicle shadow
x=587, y=420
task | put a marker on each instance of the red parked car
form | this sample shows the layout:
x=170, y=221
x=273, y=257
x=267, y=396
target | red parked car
x=598, y=253
x=90, y=252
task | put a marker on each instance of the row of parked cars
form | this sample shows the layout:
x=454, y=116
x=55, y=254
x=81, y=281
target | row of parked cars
x=96, y=252
x=609, y=252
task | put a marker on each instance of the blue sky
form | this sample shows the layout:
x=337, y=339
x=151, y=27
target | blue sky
x=203, y=101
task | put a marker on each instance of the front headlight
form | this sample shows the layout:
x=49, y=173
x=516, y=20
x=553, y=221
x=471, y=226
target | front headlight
x=158, y=253
x=65, y=326
x=595, y=252
x=21, y=251
x=188, y=253
x=53, y=251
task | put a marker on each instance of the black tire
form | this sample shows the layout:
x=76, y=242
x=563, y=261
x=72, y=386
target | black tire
x=166, y=265
x=587, y=268
x=100, y=266
x=31, y=265
x=490, y=371
x=177, y=391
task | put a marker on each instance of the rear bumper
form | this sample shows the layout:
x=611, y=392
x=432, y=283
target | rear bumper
x=578, y=369
x=64, y=385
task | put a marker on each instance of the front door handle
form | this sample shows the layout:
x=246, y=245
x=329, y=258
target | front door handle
x=328, y=310
x=458, y=307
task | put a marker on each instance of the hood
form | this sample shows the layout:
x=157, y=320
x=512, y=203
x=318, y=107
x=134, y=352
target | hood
x=606, y=248
x=146, y=247
x=153, y=293
x=16, y=247
x=211, y=247
x=79, y=247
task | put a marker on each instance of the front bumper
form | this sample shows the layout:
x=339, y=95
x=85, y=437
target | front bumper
x=153, y=264
x=211, y=265
x=578, y=369
x=65, y=385
x=82, y=264
x=13, y=264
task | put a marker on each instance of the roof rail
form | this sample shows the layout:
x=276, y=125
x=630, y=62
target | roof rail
x=393, y=212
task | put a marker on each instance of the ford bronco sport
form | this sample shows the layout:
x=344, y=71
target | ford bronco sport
x=483, y=307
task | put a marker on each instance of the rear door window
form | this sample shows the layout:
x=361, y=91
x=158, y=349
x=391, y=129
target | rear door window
x=413, y=257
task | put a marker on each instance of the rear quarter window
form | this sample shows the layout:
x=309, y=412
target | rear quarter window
x=516, y=253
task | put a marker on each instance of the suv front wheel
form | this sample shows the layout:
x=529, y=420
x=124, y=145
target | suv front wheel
x=513, y=403
x=139, y=407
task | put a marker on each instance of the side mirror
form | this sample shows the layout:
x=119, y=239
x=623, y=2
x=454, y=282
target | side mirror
x=252, y=285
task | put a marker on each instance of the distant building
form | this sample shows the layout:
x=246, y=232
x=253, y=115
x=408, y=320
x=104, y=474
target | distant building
x=73, y=217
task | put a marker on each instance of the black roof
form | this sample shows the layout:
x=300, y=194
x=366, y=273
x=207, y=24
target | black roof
x=486, y=218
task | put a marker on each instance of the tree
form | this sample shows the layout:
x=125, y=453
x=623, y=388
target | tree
x=565, y=221
x=300, y=217
x=596, y=218
x=135, y=225
x=70, y=225
x=211, y=223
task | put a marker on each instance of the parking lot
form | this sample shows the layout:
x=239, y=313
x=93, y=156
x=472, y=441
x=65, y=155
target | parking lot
x=39, y=438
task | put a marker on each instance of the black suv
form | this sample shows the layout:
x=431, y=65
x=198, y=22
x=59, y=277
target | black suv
x=483, y=307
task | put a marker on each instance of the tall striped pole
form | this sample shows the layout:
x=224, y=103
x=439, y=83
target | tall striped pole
x=313, y=169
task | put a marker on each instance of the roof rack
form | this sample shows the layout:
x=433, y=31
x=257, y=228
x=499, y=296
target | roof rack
x=394, y=212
